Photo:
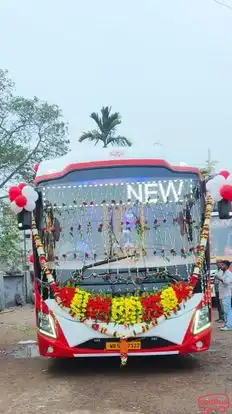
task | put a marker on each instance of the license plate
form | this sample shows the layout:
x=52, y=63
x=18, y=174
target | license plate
x=116, y=345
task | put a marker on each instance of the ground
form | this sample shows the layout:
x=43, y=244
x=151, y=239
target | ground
x=149, y=385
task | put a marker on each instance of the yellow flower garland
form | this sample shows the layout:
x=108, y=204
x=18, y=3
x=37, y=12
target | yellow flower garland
x=79, y=303
x=126, y=310
x=168, y=300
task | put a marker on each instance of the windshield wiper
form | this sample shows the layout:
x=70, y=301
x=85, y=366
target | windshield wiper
x=176, y=278
x=105, y=261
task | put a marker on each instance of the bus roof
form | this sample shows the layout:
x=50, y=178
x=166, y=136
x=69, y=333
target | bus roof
x=86, y=156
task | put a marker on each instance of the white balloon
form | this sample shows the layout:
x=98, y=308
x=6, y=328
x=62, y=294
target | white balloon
x=30, y=193
x=217, y=197
x=229, y=180
x=213, y=186
x=15, y=208
x=30, y=206
x=35, y=196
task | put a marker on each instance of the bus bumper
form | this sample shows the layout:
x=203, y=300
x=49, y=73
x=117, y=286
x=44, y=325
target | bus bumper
x=58, y=348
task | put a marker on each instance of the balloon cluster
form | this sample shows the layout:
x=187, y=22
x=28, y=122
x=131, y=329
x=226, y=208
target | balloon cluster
x=220, y=186
x=22, y=197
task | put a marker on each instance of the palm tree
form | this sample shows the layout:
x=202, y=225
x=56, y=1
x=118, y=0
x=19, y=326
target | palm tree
x=107, y=123
x=210, y=165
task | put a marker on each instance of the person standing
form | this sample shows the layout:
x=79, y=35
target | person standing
x=225, y=293
x=218, y=287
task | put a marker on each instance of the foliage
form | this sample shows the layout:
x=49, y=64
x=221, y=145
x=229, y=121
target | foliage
x=11, y=251
x=30, y=131
x=107, y=124
x=209, y=169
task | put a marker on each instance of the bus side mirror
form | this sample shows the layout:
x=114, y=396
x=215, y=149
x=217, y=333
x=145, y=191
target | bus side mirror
x=224, y=210
x=24, y=220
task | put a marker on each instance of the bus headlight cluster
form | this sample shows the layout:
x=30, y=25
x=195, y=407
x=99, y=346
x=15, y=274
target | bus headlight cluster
x=202, y=320
x=46, y=324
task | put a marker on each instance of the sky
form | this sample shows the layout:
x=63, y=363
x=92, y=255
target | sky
x=165, y=65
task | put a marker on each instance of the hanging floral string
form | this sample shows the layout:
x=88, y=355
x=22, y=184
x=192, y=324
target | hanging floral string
x=203, y=241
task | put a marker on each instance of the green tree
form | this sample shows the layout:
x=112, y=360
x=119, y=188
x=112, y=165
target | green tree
x=30, y=131
x=209, y=168
x=107, y=123
x=11, y=251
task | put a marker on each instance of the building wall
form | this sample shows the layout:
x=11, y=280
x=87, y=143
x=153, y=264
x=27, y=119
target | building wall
x=12, y=285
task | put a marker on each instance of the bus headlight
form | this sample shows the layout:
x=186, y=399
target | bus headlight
x=202, y=320
x=46, y=324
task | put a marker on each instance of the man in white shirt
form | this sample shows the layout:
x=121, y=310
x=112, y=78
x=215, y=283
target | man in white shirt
x=225, y=293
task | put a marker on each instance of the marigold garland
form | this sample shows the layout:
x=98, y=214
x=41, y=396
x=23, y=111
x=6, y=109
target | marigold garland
x=79, y=303
x=168, y=300
x=133, y=315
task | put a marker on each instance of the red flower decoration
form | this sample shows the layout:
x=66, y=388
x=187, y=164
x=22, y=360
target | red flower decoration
x=98, y=308
x=152, y=307
x=66, y=294
x=182, y=291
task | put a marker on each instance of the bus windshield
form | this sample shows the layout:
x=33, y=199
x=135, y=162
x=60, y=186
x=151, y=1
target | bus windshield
x=122, y=219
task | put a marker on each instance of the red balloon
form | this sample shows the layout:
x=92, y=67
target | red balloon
x=224, y=173
x=226, y=192
x=20, y=201
x=36, y=167
x=31, y=258
x=21, y=185
x=14, y=192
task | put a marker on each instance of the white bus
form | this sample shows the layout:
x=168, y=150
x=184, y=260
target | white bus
x=119, y=228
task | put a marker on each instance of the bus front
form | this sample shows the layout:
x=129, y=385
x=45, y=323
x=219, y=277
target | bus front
x=121, y=240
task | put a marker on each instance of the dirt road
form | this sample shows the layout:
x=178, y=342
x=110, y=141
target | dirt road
x=148, y=385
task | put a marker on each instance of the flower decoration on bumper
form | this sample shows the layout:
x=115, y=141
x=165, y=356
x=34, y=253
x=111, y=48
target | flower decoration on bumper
x=125, y=310
x=22, y=197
